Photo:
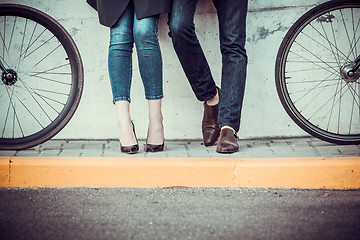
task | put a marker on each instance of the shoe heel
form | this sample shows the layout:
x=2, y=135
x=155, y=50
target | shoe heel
x=133, y=148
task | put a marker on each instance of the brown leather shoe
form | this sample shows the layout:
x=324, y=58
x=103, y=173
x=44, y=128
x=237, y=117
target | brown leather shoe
x=227, y=142
x=210, y=125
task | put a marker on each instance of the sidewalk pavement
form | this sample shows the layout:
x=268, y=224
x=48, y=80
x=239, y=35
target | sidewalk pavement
x=286, y=163
x=255, y=148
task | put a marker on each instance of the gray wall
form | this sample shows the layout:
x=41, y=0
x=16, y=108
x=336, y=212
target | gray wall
x=262, y=116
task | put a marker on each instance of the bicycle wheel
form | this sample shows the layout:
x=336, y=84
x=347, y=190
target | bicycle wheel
x=42, y=79
x=311, y=72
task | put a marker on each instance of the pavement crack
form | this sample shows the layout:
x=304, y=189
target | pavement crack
x=187, y=150
x=61, y=149
x=314, y=148
x=103, y=149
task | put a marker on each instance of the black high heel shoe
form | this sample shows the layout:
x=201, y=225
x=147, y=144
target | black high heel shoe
x=154, y=147
x=133, y=148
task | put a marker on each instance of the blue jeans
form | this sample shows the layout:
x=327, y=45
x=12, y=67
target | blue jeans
x=232, y=30
x=127, y=30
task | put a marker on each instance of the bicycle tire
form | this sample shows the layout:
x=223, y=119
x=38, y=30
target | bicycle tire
x=306, y=90
x=46, y=94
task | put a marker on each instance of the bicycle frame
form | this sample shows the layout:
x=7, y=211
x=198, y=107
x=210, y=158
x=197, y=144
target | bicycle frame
x=356, y=67
x=3, y=67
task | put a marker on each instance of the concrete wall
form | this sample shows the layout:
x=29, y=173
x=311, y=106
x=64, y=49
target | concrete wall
x=262, y=116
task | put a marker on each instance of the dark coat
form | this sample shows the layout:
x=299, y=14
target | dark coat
x=110, y=10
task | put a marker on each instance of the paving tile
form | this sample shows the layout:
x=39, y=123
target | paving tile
x=9, y=153
x=50, y=153
x=28, y=152
x=173, y=149
x=334, y=151
x=52, y=144
x=197, y=149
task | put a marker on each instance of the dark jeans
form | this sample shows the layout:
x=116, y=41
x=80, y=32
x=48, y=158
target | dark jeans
x=232, y=29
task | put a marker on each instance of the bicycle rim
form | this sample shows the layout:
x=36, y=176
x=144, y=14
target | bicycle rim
x=309, y=72
x=47, y=77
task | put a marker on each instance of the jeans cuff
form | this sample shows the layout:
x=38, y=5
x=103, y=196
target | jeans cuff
x=154, y=97
x=121, y=99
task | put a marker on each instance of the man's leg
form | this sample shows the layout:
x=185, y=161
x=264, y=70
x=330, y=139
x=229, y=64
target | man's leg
x=195, y=66
x=232, y=25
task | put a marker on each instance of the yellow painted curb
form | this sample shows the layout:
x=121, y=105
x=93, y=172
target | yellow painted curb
x=327, y=173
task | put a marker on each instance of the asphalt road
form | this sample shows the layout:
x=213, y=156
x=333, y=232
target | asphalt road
x=178, y=213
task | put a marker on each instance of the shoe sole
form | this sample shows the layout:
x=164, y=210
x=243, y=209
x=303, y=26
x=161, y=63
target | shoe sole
x=212, y=143
x=227, y=152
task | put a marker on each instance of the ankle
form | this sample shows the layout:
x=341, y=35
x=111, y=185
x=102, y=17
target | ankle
x=156, y=119
x=228, y=127
x=215, y=100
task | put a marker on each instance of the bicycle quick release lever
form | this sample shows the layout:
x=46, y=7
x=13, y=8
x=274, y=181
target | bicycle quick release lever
x=351, y=73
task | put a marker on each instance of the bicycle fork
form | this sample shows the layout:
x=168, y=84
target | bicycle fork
x=356, y=67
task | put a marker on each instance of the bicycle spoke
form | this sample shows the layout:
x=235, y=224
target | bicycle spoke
x=43, y=44
x=51, y=80
x=315, y=56
x=6, y=65
x=328, y=41
x=6, y=48
x=336, y=56
x=8, y=109
x=2, y=38
x=52, y=92
x=353, y=107
x=336, y=47
x=311, y=81
x=46, y=56
x=30, y=44
x=305, y=69
x=33, y=97
x=346, y=30
x=309, y=90
x=353, y=27
x=318, y=110
x=49, y=71
x=354, y=94
x=354, y=47
x=30, y=112
x=15, y=115
x=22, y=44
x=310, y=61
x=331, y=110
x=43, y=98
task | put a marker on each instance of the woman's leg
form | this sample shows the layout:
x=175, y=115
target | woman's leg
x=126, y=133
x=150, y=65
x=120, y=72
x=156, y=130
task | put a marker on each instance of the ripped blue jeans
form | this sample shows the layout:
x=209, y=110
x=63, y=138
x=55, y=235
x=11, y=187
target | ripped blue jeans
x=123, y=34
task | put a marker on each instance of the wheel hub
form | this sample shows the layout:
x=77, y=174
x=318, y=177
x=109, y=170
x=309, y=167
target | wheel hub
x=9, y=77
x=347, y=74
